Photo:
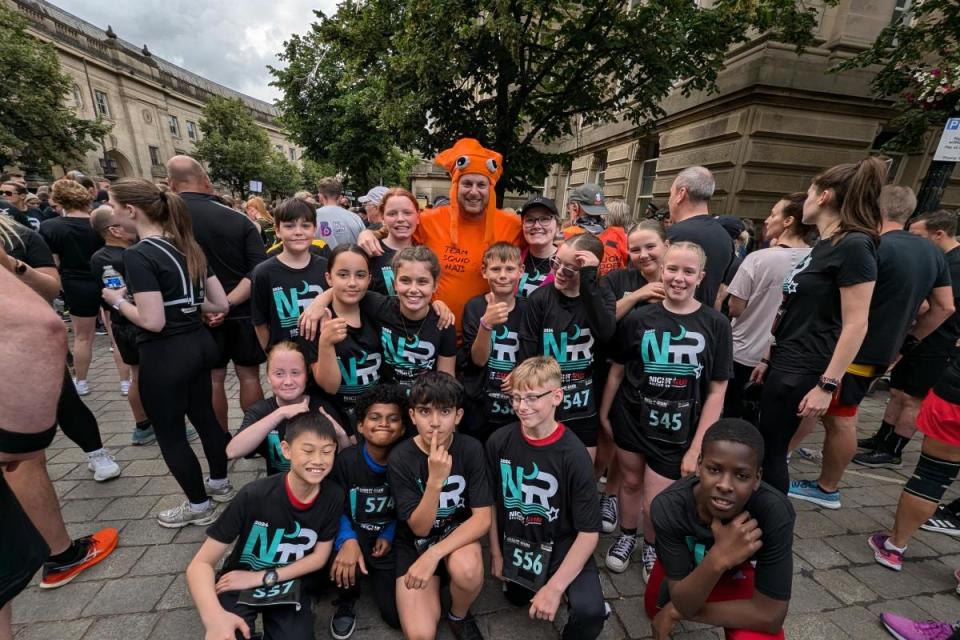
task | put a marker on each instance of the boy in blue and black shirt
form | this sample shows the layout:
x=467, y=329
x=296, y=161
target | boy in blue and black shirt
x=364, y=543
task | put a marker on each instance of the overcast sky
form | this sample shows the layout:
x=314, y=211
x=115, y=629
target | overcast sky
x=227, y=41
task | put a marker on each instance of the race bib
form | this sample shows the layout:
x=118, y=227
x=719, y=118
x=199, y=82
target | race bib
x=526, y=563
x=282, y=593
x=666, y=420
x=373, y=505
x=422, y=544
x=578, y=398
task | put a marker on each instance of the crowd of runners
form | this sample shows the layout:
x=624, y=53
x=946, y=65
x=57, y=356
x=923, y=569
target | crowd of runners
x=464, y=390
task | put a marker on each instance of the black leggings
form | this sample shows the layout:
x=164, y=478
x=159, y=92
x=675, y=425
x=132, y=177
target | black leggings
x=174, y=383
x=782, y=393
x=584, y=599
x=383, y=580
x=76, y=420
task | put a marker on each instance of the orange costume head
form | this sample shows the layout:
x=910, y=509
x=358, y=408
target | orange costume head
x=469, y=156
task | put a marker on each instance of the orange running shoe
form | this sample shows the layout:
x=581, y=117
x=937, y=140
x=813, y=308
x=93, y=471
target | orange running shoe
x=93, y=549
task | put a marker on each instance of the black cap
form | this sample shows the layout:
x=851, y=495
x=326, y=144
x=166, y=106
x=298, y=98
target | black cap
x=540, y=201
x=733, y=226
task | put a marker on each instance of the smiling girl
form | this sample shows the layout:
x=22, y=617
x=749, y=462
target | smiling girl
x=401, y=215
x=639, y=283
x=665, y=388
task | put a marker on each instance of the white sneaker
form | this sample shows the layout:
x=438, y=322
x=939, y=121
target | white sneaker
x=82, y=386
x=124, y=387
x=649, y=558
x=102, y=465
x=184, y=515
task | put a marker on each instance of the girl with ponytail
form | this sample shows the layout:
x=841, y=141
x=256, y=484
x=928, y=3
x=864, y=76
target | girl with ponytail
x=171, y=285
x=823, y=319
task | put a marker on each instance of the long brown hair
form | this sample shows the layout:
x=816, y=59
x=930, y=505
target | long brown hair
x=168, y=210
x=856, y=192
x=793, y=208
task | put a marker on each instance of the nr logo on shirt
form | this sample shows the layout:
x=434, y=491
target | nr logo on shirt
x=290, y=303
x=261, y=551
x=573, y=348
x=388, y=279
x=451, y=498
x=526, y=496
x=406, y=355
x=359, y=373
x=670, y=355
x=504, y=347
x=530, y=282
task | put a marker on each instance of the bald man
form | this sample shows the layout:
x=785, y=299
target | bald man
x=233, y=247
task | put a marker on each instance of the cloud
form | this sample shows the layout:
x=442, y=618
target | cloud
x=228, y=41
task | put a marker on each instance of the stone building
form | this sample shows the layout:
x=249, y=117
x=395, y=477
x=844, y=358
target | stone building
x=776, y=121
x=153, y=105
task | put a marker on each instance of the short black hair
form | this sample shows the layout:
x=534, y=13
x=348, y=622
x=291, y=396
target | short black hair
x=383, y=394
x=735, y=430
x=310, y=422
x=437, y=389
x=293, y=209
x=940, y=220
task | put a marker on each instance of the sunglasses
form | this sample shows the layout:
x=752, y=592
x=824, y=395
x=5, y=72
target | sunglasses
x=563, y=269
x=9, y=193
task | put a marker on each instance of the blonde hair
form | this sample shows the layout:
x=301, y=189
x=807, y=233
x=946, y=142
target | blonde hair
x=257, y=203
x=502, y=251
x=539, y=371
x=8, y=231
x=284, y=346
x=619, y=215
x=303, y=195
x=689, y=246
x=71, y=195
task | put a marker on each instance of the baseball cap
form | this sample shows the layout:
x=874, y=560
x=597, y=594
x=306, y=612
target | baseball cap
x=540, y=201
x=733, y=226
x=375, y=195
x=590, y=197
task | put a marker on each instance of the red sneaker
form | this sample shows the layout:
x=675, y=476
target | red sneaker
x=94, y=549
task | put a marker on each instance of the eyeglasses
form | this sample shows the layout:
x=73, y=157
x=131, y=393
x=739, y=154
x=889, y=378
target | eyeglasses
x=533, y=222
x=563, y=269
x=8, y=193
x=530, y=399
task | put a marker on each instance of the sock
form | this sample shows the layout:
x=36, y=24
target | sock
x=142, y=426
x=96, y=453
x=200, y=507
x=895, y=443
x=628, y=532
x=884, y=432
x=69, y=555
x=455, y=618
x=820, y=486
x=219, y=483
x=889, y=546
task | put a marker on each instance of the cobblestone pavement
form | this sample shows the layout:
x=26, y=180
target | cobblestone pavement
x=139, y=592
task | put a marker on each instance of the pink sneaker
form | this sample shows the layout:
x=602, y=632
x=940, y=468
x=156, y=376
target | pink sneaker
x=889, y=559
x=907, y=629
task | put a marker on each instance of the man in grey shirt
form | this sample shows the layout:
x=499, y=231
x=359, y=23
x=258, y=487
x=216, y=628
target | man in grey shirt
x=336, y=225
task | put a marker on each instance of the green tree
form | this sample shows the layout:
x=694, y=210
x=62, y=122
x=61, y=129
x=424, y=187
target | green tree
x=919, y=62
x=233, y=146
x=281, y=178
x=517, y=75
x=37, y=129
x=311, y=172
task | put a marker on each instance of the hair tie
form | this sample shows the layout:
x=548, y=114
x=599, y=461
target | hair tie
x=163, y=196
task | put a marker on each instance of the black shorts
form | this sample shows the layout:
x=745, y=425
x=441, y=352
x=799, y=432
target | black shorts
x=916, y=375
x=237, y=342
x=406, y=554
x=17, y=569
x=587, y=429
x=125, y=337
x=663, y=458
x=281, y=621
x=853, y=389
x=82, y=296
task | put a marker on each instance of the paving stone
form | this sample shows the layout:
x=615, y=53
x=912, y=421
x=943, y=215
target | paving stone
x=69, y=630
x=177, y=595
x=59, y=470
x=901, y=607
x=810, y=597
x=886, y=583
x=146, y=468
x=844, y=586
x=129, y=508
x=933, y=575
x=857, y=622
x=66, y=603
x=853, y=520
x=116, y=565
x=116, y=488
x=181, y=623
x=940, y=606
x=123, y=627
x=82, y=510
x=142, y=452
x=631, y=613
x=811, y=626
x=165, y=558
x=160, y=486
x=853, y=547
x=128, y=595
x=190, y=534
x=938, y=542
x=146, y=531
x=813, y=524
x=817, y=554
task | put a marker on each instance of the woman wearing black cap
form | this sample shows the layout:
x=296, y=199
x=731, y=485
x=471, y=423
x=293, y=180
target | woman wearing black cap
x=541, y=221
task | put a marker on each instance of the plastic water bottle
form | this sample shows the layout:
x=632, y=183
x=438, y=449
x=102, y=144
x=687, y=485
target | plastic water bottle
x=112, y=279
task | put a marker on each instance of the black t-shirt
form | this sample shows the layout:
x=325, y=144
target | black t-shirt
x=908, y=269
x=280, y=293
x=467, y=486
x=943, y=340
x=28, y=247
x=808, y=322
x=270, y=531
x=109, y=256
x=948, y=385
x=155, y=264
x=535, y=273
x=571, y=330
x=269, y=448
x=230, y=240
x=73, y=240
x=369, y=500
x=483, y=383
x=683, y=540
x=669, y=362
x=715, y=242
x=381, y=272
x=547, y=489
x=410, y=347
x=622, y=282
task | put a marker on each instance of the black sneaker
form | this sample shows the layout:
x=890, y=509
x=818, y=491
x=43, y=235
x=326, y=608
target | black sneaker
x=344, y=621
x=943, y=521
x=878, y=460
x=465, y=629
x=868, y=444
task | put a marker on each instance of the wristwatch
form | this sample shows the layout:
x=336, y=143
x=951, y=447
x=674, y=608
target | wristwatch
x=830, y=385
x=270, y=578
x=20, y=268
